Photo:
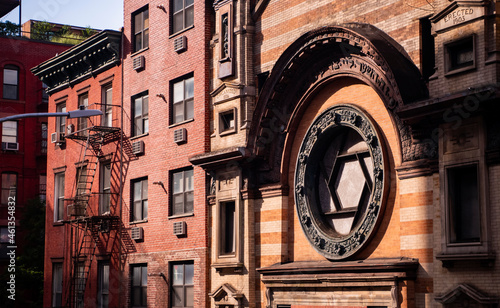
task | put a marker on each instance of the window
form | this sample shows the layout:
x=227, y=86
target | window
x=105, y=188
x=139, y=285
x=42, y=191
x=9, y=131
x=10, y=82
x=5, y=238
x=182, y=192
x=45, y=95
x=43, y=144
x=227, y=228
x=140, y=200
x=57, y=284
x=103, y=284
x=59, y=196
x=61, y=121
x=460, y=55
x=107, y=107
x=227, y=121
x=464, y=206
x=141, y=114
x=183, y=101
x=182, y=284
x=83, y=103
x=141, y=29
x=183, y=14
x=9, y=184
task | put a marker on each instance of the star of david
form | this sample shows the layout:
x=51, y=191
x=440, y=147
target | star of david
x=349, y=182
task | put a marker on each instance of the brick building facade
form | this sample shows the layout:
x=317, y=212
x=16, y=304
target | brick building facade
x=23, y=154
x=351, y=150
x=126, y=208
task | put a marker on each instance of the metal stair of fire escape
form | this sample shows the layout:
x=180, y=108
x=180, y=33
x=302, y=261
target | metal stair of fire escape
x=82, y=260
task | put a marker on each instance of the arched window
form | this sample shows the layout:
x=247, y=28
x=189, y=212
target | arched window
x=11, y=82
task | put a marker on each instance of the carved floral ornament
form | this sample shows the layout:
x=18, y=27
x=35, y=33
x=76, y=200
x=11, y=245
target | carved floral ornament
x=340, y=180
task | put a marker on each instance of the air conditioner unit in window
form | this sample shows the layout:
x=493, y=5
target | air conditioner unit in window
x=138, y=147
x=138, y=63
x=10, y=146
x=180, y=228
x=180, y=135
x=57, y=137
x=137, y=233
x=180, y=44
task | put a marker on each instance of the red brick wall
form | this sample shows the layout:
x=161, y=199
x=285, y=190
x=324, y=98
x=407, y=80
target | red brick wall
x=29, y=162
x=162, y=154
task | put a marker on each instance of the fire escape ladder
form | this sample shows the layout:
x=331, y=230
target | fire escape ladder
x=82, y=262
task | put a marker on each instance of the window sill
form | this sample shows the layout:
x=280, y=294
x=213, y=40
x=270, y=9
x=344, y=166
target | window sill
x=180, y=123
x=227, y=265
x=138, y=52
x=458, y=71
x=58, y=223
x=449, y=259
x=180, y=32
x=138, y=222
x=228, y=132
x=139, y=136
x=180, y=215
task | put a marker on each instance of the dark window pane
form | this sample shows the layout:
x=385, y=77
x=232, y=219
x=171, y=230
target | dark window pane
x=178, y=5
x=146, y=39
x=465, y=220
x=178, y=18
x=189, y=16
x=9, y=91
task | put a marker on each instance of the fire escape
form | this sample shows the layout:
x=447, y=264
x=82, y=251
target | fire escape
x=89, y=229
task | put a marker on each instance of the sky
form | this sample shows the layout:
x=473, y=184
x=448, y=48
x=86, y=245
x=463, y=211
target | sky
x=98, y=14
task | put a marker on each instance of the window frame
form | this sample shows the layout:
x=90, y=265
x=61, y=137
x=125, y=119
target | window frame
x=57, y=293
x=107, y=107
x=7, y=190
x=143, y=117
x=61, y=121
x=143, y=300
x=224, y=230
x=449, y=53
x=101, y=288
x=450, y=223
x=143, y=32
x=143, y=200
x=16, y=68
x=83, y=123
x=105, y=188
x=44, y=136
x=185, y=193
x=59, y=196
x=183, y=11
x=223, y=130
x=4, y=135
x=469, y=151
x=185, y=102
x=184, y=286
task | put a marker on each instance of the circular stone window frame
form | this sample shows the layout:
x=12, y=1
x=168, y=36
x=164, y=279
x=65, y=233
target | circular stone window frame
x=339, y=248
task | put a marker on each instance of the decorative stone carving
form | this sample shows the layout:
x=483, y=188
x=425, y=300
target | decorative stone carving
x=340, y=182
x=353, y=50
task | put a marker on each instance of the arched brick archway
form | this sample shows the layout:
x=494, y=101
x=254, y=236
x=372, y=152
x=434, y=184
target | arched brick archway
x=357, y=51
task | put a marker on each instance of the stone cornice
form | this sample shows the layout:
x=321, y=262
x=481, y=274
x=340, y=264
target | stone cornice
x=94, y=55
x=322, y=271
